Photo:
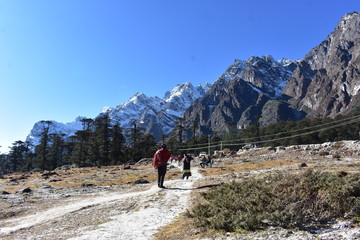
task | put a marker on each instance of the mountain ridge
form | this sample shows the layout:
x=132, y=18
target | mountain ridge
x=323, y=83
x=157, y=116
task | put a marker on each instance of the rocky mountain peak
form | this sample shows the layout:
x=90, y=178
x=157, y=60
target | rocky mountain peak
x=350, y=22
x=264, y=74
x=157, y=116
x=339, y=43
x=326, y=81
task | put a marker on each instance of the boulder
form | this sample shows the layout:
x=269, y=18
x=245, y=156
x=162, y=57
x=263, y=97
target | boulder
x=48, y=174
x=141, y=181
x=303, y=165
x=24, y=190
x=87, y=185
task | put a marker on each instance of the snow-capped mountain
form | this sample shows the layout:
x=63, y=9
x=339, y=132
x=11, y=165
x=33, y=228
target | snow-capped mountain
x=324, y=83
x=247, y=88
x=264, y=74
x=156, y=115
x=65, y=129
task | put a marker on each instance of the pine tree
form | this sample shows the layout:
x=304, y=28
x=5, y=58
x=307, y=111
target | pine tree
x=80, y=152
x=100, y=141
x=117, y=145
x=180, y=129
x=56, y=150
x=17, y=155
x=42, y=149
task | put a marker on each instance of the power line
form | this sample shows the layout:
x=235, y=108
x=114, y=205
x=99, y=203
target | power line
x=341, y=122
x=298, y=135
x=281, y=133
x=299, y=130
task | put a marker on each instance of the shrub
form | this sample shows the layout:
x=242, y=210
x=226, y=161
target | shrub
x=324, y=153
x=286, y=200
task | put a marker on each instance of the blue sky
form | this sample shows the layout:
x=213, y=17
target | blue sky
x=62, y=59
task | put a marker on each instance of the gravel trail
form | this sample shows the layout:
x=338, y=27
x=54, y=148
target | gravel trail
x=132, y=216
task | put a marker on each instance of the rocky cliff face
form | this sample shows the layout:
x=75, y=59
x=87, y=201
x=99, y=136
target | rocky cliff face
x=326, y=81
x=246, y=89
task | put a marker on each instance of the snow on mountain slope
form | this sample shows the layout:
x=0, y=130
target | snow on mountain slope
x=65, y=129
x=264, y=74
x=157, y=116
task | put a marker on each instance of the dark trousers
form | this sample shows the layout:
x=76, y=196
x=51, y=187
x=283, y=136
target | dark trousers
x=161, y=175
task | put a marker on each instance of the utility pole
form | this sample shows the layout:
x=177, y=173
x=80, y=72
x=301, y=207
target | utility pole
x=209, y=144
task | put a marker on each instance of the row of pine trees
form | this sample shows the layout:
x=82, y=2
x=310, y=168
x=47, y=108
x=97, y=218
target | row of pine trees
x=98, y=144
x=101, y=143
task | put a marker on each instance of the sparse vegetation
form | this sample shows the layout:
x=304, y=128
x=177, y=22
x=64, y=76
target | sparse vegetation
x=285, y=200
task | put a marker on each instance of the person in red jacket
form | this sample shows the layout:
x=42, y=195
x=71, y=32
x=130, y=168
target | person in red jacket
x=161, y=158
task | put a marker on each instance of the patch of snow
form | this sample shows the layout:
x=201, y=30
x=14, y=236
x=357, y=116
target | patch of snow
x=106, y=109
x=256, y=89
x=355, y=90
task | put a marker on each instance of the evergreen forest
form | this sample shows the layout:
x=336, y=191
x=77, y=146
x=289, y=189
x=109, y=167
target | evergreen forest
x=101, y=143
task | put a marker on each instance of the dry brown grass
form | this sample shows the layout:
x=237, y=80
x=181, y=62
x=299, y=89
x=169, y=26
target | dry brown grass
x=104, y=176
x=183, y=228
x=248, y=166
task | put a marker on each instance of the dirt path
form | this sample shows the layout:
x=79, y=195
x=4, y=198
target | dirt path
x=135, y=215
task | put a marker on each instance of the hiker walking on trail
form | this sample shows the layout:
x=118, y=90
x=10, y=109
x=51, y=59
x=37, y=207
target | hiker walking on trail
x=186, y=166
x=161, y=158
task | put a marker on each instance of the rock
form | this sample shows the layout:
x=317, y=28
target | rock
x=48, y=174
x=24, y=190
x=67, y=167
x=55, y=180
x=272, y=149
x=64, y=167
x=342, y=174
x=4, y=192
x=141, y=181
x=303, y=165
x=314, y=151
x=87, y=185
x=280, y=148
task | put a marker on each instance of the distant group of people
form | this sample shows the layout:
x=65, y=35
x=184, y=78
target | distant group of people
x=162, y=156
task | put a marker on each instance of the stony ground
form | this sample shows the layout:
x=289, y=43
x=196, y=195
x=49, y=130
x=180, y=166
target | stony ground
x=104, y=203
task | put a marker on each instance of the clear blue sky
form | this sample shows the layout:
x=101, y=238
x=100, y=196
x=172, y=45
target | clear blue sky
x=66, y=58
